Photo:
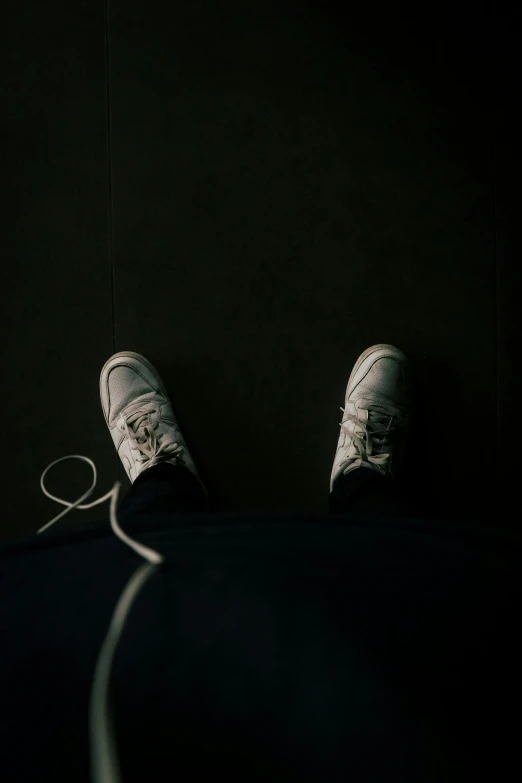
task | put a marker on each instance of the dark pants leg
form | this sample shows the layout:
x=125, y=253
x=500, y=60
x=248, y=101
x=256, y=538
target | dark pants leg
x=165, y=487
x=366, y=490
x=174, y=488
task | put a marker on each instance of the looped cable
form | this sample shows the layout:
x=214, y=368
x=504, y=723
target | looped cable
x=104, y=758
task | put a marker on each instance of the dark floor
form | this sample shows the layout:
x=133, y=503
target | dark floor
x=251, y=194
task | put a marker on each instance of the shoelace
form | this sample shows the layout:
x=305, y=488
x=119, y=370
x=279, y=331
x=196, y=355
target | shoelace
x=381, y=416
x=138, y=428
x=105, y=767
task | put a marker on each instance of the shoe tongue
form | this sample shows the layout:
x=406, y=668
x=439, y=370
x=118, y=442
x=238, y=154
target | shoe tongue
x=378, y=411
x=379, y=423
x=140, y=402
x=377, y=408
x=380, y=417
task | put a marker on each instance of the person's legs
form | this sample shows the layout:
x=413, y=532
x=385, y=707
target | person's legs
x=165, y=487
x=366, y=490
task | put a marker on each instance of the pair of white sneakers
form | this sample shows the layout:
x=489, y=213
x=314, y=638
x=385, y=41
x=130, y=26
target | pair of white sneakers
x=374, y=429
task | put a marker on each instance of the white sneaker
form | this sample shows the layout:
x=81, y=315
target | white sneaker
x=139, y=415
x=375, y=425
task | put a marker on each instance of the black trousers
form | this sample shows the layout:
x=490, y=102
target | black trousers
x=167, y=487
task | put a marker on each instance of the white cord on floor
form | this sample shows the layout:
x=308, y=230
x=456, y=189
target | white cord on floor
x=104, y=758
